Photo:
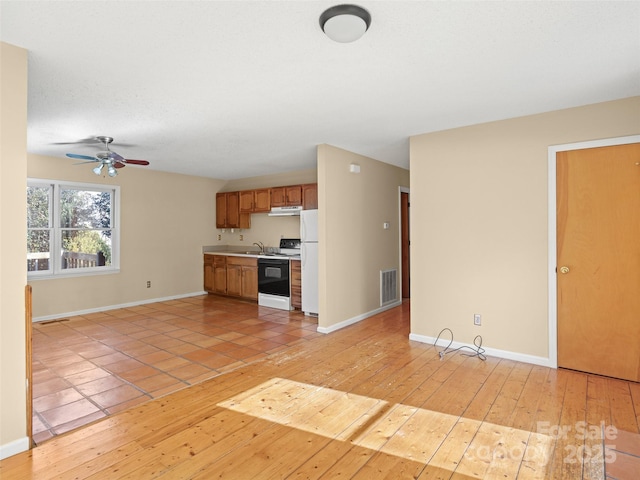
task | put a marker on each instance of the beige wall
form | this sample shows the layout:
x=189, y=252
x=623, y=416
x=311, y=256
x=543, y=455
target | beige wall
x=354, y=247
x=165, y=221
x=479, y=223
x=13, y=250
x=276, y=180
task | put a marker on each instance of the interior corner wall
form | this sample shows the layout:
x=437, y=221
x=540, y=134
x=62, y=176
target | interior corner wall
x=165, y=220
x=479, y=204
x=353, y=245
x=13, y=249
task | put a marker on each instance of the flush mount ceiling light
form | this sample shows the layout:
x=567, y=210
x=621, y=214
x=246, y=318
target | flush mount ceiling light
x=345, y=23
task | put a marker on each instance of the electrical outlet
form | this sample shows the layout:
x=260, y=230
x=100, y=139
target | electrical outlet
x=219, y=237
x=477, y=319
x=241, y=237
x=148, y=283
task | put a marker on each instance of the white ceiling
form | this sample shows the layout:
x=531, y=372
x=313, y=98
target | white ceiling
x=232, y=89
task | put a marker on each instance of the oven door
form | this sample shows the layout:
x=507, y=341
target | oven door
x=273, y=276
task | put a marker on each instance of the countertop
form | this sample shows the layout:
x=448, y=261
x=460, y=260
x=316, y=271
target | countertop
x=254, y=255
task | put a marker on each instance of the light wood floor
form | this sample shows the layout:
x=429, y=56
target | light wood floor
x=363, y=402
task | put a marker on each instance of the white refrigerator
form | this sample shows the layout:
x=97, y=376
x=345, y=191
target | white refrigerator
x=309, y=257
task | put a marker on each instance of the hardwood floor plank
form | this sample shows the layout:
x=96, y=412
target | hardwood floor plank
x=566, y=462
x=363, y=402
x=526, y=408
x=450, y=453
x=634, y=388
x=504, y=406
x=623, y=415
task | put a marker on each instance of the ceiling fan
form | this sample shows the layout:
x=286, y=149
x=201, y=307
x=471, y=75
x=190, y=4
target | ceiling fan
x=107, y=159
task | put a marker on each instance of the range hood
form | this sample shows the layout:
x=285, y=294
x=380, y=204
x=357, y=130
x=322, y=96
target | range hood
x=285, y=211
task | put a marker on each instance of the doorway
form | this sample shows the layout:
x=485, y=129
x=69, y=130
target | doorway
x=405, y=259
x=590, y=306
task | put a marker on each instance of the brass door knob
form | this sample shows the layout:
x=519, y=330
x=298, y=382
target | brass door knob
x=564, y=269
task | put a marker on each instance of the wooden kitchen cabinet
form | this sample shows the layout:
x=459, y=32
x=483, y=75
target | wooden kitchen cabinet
x=242, y=277
x=310, y=196
x=250, y=282
x=231, y=275
x=221, y=210
x=296, y=284
x=228, y=213
x=246, y=201
x=234, y=276
x=286, y=196
x=255, y=201
x=219, y=274
x=208, y=273
x=262, y=200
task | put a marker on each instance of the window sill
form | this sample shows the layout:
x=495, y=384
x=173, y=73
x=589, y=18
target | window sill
x=106, y=271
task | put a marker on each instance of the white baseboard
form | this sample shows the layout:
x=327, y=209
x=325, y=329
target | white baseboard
x=356, y=319
x=13, y=448
x=113, y=307
x=493, y=352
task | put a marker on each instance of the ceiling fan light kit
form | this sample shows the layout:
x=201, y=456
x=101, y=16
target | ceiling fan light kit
x=345, y=23
x=107, y=158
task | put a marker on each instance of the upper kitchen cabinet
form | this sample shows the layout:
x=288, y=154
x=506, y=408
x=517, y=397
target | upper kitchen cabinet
x=228, y=211
x=310, y=196
x=255, y=201
x=286, y=196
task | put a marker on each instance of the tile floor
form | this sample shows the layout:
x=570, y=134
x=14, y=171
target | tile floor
x=87, y=367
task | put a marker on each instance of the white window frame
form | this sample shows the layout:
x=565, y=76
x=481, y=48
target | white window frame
x=55, y=262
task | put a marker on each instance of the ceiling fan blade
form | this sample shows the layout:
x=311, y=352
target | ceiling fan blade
x=137, y=162
x=84, y=163
x=119, y=165
x=84, y=141
x=82, y=157
x=114, y=156
x=92, y=141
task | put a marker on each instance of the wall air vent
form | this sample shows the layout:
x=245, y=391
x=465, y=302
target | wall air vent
x=388, y=286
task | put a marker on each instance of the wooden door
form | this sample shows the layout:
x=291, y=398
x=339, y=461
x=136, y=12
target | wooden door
x=220, y=274
x=262, y=200
x=294, y=195
x=247, y=201
x=234, y=280
x=233, y=209
x=221, y=210
x=598, y=271
x=310, y=196
x=278, y=198
x=250, y=283
x=404, y=239
x=28, y=293
x=208, y=274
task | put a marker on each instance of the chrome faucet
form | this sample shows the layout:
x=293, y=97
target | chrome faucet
x=260, y=245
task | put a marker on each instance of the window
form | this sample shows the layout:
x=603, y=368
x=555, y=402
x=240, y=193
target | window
x=72, y=229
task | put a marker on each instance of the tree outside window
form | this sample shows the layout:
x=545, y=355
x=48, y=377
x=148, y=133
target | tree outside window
x=70, y=228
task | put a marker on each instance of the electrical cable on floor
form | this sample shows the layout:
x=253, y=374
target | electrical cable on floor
x=477, y=352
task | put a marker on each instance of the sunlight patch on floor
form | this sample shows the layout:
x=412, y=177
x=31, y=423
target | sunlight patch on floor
x=470, y=447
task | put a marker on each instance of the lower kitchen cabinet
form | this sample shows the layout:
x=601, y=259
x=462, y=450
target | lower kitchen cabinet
x=296, y=284
x=208, y=273
x=249, y=282
x=232, y=276
x=219, y=274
